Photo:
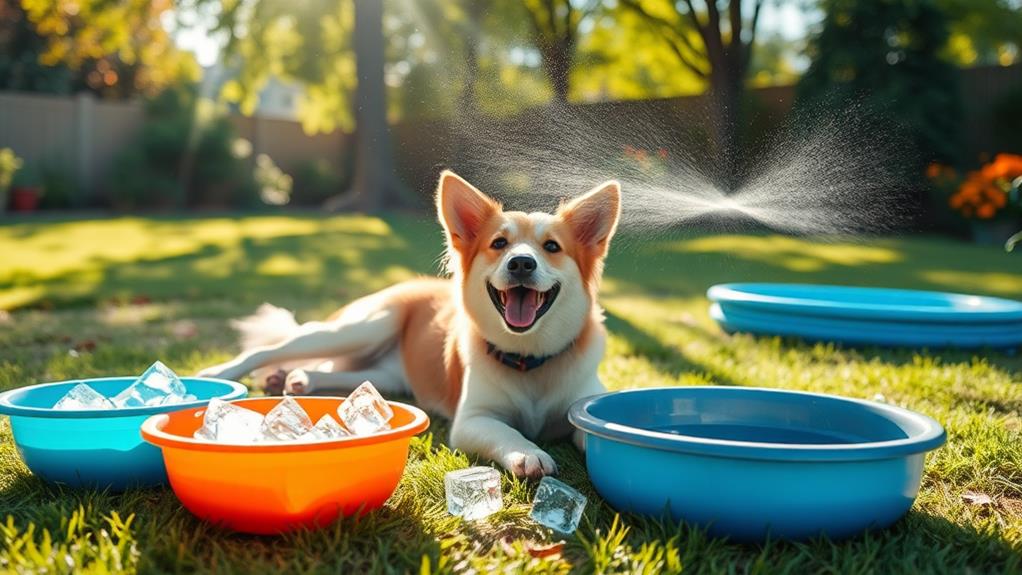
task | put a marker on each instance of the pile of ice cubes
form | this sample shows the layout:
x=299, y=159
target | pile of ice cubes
x=159, y=385
x=474, y=493
x=364, y=412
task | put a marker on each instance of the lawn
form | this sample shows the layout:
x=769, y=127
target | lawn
x=108, y=296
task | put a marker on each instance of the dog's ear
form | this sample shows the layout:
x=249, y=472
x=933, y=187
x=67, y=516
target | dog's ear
x=462, y=209
x=593, y=216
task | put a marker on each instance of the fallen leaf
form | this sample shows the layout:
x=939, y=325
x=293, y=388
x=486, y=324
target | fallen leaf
x=141, y=299
x=85, y=345
x=979, y=499
x=534, y=548
x=544, y=550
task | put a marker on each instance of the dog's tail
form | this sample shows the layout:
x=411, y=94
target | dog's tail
x=267, y=326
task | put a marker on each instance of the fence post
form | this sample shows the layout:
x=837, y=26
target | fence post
x=85, y=127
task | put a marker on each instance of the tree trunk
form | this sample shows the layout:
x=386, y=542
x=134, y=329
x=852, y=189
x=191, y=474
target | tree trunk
x=725, y=94
x=558, y=66
x=374, y=186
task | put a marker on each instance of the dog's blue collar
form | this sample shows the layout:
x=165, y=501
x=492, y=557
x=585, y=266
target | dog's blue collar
x=519, y=362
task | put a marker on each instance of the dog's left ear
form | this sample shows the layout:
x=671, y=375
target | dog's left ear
x=593, y=217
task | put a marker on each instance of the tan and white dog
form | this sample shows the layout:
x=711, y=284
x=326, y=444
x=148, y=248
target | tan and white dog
x=503, y=347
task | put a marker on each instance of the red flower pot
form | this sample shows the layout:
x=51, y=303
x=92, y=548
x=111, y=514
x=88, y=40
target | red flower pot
x=25, y=198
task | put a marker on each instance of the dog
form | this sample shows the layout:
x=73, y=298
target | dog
x=503, y=347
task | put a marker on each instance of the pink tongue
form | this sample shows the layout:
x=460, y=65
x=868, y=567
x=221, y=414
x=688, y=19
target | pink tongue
x=521, y=306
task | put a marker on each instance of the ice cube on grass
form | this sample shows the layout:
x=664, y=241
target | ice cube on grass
x=159, y=385
x=227, y=423
x=82, y=396
x=326, y=428
x=287, y=421
x=557, y=506
x=473, y=493
x=365, y=411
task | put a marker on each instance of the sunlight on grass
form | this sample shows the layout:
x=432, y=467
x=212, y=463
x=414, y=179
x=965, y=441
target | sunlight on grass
x=997, y=282
x=795, y=254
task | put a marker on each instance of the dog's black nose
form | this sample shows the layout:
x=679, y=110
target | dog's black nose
x=521, y=266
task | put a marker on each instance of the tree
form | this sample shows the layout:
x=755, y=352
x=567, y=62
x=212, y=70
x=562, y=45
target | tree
x=113, y=49
x=885, y=55
x=376, y=185
x=716, y=45
x=555, y=32
x=984, y=31
x=337, y=49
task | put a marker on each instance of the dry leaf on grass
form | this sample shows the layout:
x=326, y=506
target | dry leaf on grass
x=536, y=549
x=86, y=345
x=978, y=499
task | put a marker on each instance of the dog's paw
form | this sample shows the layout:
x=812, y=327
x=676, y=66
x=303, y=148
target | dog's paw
x=297, y=383
x=274, y=383
x=534, y=463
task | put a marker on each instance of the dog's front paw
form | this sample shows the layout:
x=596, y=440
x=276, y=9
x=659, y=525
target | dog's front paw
x=534, y=463
x=298, y=383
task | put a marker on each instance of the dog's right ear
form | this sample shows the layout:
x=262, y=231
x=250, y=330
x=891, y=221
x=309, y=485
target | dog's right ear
x=462, y=209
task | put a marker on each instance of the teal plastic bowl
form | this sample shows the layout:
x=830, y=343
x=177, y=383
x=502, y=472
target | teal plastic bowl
x=752, y=463
x=98, y=448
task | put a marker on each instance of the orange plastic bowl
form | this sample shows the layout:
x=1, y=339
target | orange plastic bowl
x=273, y=488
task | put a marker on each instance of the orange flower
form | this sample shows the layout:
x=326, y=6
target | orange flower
x=934, y=170
x=986, y=211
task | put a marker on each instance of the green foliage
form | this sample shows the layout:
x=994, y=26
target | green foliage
x=314, y=182
x=10, y=163
x=885, y=55
x=113, y=49
x=20, y=50
x=185, y=155
x=984, y=31
x=274, y=185
x=60, y=186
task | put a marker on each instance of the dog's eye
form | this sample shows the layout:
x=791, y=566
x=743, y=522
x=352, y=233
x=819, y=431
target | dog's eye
x=552, y=246
x=498, y=244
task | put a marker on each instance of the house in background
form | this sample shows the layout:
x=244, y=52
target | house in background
x=277, y=100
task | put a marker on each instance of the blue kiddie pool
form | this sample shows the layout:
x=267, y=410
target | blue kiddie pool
x=100, y=448
x=867, y=316
x=751, y=463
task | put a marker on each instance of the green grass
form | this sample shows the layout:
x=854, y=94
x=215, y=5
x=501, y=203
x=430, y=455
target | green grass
x=127, y=291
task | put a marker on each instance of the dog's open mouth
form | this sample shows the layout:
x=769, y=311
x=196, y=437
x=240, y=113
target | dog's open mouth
x=520, y=306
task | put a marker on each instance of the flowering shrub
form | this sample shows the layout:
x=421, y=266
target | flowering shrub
x=986, y=192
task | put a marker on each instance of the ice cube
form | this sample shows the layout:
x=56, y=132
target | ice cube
x=326, y=428
x=159, y=385
x=473, y=493
x=229, y=423
x=557, y=505
x=365, y=411
x=287, y=421
x=82, y=396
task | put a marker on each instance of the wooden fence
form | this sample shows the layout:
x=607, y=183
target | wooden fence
x=83, y=136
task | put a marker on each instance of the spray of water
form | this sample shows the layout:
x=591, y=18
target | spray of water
x=820, y=174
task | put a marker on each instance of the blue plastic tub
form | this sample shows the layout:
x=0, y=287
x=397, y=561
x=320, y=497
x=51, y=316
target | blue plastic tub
x=865, y=303
x=856, y=332
x=95, y=448
x=748, y=463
